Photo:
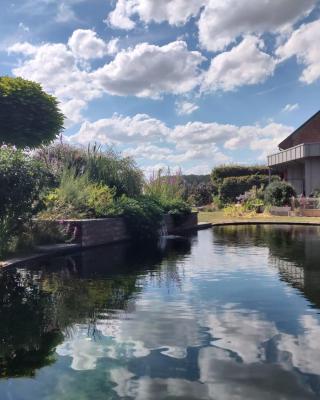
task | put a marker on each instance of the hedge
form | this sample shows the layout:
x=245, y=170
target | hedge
x=233, y=187
x=218, y=174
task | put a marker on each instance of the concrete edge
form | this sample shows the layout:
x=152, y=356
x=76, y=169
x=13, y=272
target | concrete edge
x=42, y=253
x=264, y=223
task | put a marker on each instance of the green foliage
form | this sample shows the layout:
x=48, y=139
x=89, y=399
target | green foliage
x=102, y=167
x=143, y=216
x=164, y=186
x=232, y=187
x=279, y=193
x=218, y=174
x=21, y=181
x=167, y=190
x=201, y=194
x=176, y=207
x=29, y=116
x=234, y=210
x=78, y=197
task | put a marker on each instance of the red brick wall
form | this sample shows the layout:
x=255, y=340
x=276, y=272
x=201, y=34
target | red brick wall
x=308, y=133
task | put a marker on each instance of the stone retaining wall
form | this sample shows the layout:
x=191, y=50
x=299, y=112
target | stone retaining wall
x=280, y=211
x=310, y=213
x=95, y=232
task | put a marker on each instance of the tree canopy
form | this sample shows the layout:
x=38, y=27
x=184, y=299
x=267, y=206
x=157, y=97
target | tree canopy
x=29, y=116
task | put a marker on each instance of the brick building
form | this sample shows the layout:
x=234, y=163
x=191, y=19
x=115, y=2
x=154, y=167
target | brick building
x=298, y=160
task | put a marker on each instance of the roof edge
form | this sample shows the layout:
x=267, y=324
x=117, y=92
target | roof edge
x=280, y=145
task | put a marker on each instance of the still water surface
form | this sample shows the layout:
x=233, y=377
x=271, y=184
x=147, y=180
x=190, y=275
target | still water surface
x=228, y=313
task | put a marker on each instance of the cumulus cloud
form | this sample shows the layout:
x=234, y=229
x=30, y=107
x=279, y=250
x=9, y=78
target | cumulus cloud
x=56, y=68
x=24, y=48
x=222, y=22
x=150, y=70
x=303, y=44
x=193, y=146
x=185, y=107
x=290, y=107
x=244, y=64
x=84, y=43
x=120, y=16
x=120, y=129
x=176, y=12
x=261, y=139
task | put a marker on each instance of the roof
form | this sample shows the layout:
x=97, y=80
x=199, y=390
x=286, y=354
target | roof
x=286, y=143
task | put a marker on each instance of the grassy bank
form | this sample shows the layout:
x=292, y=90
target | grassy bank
x=218, y=217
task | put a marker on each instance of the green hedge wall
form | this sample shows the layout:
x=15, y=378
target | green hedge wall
x=232, y=187
x=227, y=171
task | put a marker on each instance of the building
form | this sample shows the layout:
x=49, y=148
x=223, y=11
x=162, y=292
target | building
x=298, y=161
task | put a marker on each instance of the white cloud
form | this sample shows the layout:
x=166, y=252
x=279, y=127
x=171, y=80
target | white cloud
x=144, y=71
x=85, y=44
x=202, y=133
x=290, y=107
x=185, y=107
x=113, y=46
x=120, y=129
x=193, y=146
x=56, y=68
x=175, y=12
x=72, y=109
x=261, y=139
x=23, y=47
x=244, y=64
x=65, y=13
x=304, y=44
x=120, y=16
x=222, y=22
x=150, y=70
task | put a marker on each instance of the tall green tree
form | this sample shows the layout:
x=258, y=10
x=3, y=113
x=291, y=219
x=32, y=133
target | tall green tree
x=29, y=116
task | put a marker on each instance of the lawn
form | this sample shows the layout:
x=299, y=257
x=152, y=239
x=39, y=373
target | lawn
x=218, y=217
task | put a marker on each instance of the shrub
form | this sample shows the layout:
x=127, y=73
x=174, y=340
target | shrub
x=202, y=194
x=143, y=216
x=218, y=174
x=176, y=207
x=232, y=187
x=21, y=181
x=102, y=167
x=77, y=197
x=279, y=193
x=28, y=115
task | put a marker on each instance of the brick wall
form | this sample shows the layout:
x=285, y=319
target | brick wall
x=95, y=232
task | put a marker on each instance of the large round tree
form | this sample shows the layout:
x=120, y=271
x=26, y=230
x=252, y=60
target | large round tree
x=28, y=115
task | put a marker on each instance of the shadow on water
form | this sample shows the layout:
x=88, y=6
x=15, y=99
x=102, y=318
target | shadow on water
x=293, y=250
x=42, y=300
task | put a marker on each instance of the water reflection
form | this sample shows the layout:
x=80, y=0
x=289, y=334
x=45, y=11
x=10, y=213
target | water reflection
x=226, y=314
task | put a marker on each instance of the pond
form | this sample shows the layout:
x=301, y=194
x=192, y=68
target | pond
x=227, y=313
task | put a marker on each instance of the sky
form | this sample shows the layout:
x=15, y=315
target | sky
x=187, y=84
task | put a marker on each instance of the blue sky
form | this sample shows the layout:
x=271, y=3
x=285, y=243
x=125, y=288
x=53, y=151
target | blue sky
x=179, y=83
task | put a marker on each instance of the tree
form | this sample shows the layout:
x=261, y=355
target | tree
x=279, y=193
x=28, y=115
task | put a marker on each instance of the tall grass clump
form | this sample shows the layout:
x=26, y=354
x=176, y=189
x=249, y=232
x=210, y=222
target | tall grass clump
x=102, y=167
x=167, y=189
x=78, y=197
